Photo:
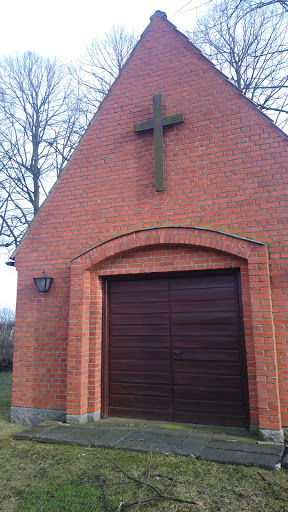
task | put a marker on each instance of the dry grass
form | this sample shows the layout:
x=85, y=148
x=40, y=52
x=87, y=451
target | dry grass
x=52, y=478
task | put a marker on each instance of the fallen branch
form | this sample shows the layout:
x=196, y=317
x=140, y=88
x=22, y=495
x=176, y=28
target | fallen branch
x=128, y=476
x=145, y=484
x=271, y=486
x=105, y=498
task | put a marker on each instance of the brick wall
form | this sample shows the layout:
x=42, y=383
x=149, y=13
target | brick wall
x=225, y=169
x=172, y=259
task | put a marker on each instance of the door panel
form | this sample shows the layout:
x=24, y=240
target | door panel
x=208, y=335
x=176, y=350
x=140, y=355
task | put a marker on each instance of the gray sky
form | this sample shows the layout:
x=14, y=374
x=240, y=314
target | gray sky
x=63, y=28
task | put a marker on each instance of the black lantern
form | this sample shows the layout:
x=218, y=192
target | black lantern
x=43, y=283
x=10, y=263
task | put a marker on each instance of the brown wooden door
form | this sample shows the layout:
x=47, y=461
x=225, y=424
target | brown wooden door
x=177, y=350
x=140, y=355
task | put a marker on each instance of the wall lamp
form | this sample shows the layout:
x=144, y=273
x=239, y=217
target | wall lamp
x=43, y=283
x=10, y=263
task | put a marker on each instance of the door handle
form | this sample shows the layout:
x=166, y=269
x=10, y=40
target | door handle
x=176, y=352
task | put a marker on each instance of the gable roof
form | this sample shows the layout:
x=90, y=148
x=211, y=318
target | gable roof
x=159, y=18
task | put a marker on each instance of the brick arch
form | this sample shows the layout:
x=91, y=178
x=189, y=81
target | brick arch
x=225, y=242
x=84, y=348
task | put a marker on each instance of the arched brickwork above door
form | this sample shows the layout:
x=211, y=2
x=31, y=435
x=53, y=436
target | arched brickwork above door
x=84, y=267
x=194, y=236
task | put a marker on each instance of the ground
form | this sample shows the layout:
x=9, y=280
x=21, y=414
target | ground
x=39, y=477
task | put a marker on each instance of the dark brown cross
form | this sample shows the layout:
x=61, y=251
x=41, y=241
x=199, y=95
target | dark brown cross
x=156, y=124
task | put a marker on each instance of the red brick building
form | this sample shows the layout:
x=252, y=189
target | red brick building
x=169, y=292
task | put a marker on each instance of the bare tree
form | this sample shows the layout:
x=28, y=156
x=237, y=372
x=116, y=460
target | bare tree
x=40, y=124
x=260, y=4
x=7, y=326
x=43, y=111
x=102, y=63
x=251, y=49
x=253, y=5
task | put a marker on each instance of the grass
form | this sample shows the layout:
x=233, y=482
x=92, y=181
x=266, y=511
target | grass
x=39, y=477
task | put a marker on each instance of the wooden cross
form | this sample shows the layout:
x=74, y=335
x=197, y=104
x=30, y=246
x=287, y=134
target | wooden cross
x=156, y=124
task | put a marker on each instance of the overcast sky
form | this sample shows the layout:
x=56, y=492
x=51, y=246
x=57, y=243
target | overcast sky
x=63, y=28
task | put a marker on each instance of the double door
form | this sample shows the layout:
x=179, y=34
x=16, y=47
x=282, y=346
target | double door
x=176, y=350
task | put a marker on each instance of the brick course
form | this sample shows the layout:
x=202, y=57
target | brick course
x=225, y=172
